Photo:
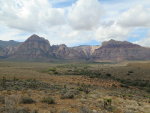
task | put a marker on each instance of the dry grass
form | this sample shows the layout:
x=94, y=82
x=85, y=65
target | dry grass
x=123, y=99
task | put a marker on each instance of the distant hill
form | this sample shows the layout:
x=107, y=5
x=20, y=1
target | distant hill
x=120, y=50
x=10, y=43
x=36, y=47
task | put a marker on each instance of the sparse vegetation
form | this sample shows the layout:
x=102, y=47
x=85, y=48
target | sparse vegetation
x=48, y=100
x=97, y=87
x=27, y=100
x=84, y=109
x=108, y=104
x=68, y=93
x=84, y=88
x=2, y=99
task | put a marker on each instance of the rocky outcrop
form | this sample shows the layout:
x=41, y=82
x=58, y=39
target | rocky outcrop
x=118, y=51
x=8, y=47
x=2, y=52
x=87, y=50
x=64, y=52
x=33, y=47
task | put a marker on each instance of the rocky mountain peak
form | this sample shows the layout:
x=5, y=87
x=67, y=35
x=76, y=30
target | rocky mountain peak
x=36, y=38
x=120, y=50
x=33, y=47
x=36, y=47
x=115, y=44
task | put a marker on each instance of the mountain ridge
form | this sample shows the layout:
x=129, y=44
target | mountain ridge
x=36, y=47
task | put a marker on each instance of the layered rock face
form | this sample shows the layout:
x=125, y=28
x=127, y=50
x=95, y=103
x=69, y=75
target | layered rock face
x=33, y=47
x=2, y=52
x=87, y=50
x=36, y=47
x=7, y=48
x=64, y=52
x=118, y=51
x=11, y=43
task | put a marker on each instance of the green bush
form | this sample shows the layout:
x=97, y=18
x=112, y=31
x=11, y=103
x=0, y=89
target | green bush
x=2, y=99
x=27, y=100
x=108, y=74
x=67, y=95
x=48, y=100
x=108, y=104
x=84, y=88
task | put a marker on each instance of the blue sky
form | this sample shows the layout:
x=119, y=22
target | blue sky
x=76, y=22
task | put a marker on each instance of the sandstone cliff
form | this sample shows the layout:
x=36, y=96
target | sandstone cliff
x=33, y=47
x=118, y=51
x=36, y=47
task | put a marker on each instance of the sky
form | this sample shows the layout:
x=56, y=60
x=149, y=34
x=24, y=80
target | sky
x=76, y=22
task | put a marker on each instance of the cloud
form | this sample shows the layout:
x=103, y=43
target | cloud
x=79, y=21
x=30, y=15
x=10, y=34
x=137, y=16
x=65, y=34
x=144, y=41
x=114, y=31
x=85, y=14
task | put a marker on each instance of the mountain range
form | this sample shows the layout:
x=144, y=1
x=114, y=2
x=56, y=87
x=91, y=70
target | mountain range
x=35, y=48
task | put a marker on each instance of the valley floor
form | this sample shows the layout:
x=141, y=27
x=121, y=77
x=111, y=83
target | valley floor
x=74, y=87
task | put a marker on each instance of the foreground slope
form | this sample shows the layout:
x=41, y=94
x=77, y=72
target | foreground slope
x=31, y=87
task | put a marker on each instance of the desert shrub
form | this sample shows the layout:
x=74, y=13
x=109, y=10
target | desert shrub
x=108, y=74
x=48, y=100
x=22, y=110
x=130, y=71
x=108, y=104
x=69, y=93
x=124, y=85
x=53, y=71
x=34, y=111
x=148, y=90
x=15, y=80
x=2, y=99
x=53, y=110
x=27, y=100
x=84, y=88
x=85, y=110
x=64, y=111
x=139, y=83
x=14, y=110
x=3, y=82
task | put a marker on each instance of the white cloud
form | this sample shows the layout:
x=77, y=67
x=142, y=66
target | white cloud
x=137, y=16
x=144, y=42
x=30, y=15
x=85, y=14
x=10, y=34
x=113, y=31
x=66, y=35
x=81, y=22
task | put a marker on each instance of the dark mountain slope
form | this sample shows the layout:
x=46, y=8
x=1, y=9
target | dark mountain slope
x=117, y=51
